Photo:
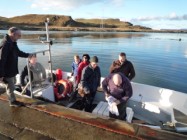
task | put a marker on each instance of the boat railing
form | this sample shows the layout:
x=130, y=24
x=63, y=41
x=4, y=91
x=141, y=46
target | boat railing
x=49, y=44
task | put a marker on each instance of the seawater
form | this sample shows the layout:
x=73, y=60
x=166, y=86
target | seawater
x=159, y=59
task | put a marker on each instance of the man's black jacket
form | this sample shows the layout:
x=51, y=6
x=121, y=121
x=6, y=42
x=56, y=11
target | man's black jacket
x=9, y=53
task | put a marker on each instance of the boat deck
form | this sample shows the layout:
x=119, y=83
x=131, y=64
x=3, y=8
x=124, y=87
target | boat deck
x=40, y=120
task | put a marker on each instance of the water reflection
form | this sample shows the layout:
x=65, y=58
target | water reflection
x=93, y=35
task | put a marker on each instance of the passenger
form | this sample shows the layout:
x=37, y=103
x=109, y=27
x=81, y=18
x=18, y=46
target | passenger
x=9, y=53
x=117, y=86
x=124, y=66
x=74, y=72
x=37, y=72
x=90, y=81
x=85, y=61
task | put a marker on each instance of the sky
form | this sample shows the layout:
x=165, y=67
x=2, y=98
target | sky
x=156, y=14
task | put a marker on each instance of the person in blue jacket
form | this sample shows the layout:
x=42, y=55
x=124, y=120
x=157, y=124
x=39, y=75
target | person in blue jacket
x=74, y=72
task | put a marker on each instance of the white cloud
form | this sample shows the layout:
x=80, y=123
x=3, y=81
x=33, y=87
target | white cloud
x=70, y=4
x=161, y=24
x=60, y=4
x=185, y=17
x=172, y=16
x=117, y=2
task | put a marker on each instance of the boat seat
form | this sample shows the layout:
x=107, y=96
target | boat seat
x=179, y=116
x=102, y=110
x=47, y=92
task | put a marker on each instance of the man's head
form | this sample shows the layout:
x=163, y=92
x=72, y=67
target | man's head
x=14, y=33
x=117, y=79
x=122, y=57
x=32, y=59
x=76, y=59
x=94, y=61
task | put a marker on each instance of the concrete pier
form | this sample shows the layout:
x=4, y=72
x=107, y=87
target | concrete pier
x=38, y=120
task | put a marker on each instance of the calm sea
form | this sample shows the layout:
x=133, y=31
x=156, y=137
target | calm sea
x=160, y=59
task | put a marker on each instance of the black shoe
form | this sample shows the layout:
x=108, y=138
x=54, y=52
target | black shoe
x=16, y=104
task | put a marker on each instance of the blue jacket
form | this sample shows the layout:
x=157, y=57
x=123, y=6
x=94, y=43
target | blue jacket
x=75, y=68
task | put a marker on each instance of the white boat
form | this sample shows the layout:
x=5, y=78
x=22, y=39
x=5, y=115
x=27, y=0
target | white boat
x=155, y=107
x=151, y=106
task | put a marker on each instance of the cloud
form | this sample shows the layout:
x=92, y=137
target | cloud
x=70, y=4
x=117, y=3
x=162, y=24
x=172, y=16
x=185, y=17
x=60, y=4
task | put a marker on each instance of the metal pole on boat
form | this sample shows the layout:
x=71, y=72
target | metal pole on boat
x=49, y=45
x=47, y=29
x=29, y=76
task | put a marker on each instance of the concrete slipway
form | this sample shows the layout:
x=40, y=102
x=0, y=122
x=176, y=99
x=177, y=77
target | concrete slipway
x=38, y=120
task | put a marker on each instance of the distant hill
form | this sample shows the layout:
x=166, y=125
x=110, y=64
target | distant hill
x=58, y=22
x=3, y=18
x=112, y=23
x=38, y=20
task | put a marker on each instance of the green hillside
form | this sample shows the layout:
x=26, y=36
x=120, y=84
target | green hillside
x=59, y=22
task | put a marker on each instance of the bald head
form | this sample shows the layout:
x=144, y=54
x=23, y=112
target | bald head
x=117, y=79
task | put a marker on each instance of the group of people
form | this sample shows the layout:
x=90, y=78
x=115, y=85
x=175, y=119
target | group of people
x=86, y=74
x=117, y=84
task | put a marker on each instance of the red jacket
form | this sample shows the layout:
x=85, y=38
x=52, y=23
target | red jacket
x=80, y=68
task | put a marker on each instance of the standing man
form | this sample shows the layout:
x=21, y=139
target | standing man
x=90, y=81
x=124, y=66
x=9, y=53
x=119, y=87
